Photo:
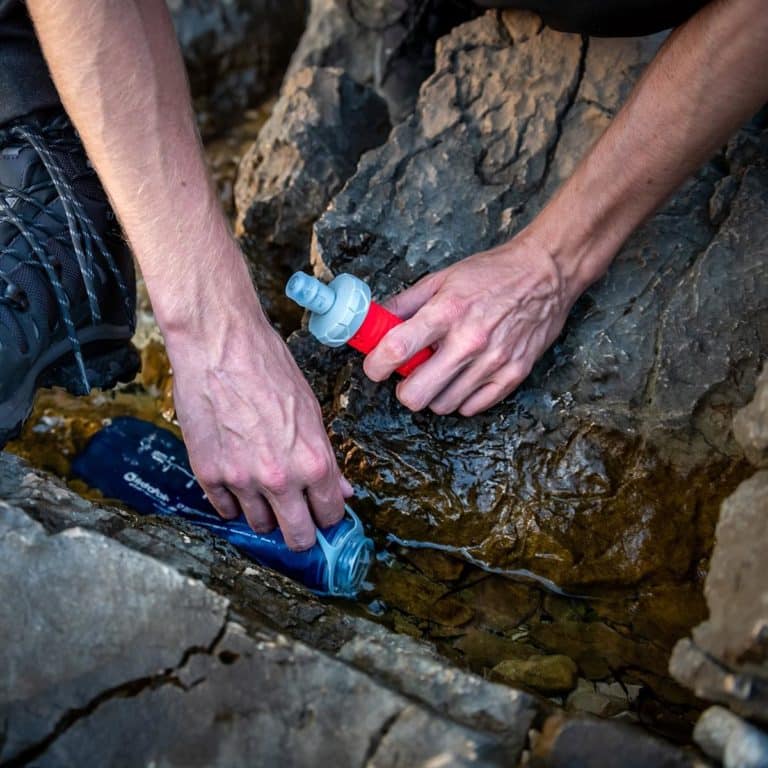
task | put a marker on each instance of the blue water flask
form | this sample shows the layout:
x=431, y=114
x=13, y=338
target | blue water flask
x=147, y=468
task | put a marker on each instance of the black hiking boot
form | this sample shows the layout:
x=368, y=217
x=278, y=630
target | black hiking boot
x=67, y=283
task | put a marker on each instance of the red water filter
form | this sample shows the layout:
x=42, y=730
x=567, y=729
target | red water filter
x=342, y=313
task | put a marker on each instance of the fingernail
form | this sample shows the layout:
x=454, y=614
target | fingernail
x=346, y=488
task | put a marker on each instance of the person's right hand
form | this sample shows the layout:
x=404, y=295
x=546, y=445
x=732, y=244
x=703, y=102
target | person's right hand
x=253, y=427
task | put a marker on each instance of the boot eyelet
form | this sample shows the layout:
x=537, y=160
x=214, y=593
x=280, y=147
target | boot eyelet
x=16, y=297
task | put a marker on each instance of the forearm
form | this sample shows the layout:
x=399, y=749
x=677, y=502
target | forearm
x=121, y=78
x=707, y=79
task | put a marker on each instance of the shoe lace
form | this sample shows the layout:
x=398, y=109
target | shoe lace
x=85, y=238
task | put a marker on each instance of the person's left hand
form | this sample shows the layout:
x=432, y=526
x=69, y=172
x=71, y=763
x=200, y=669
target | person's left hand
x=489, y=317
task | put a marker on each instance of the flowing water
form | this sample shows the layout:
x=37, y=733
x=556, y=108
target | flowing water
x=618, y=641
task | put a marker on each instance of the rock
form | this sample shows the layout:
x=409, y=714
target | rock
x=547, y=674
x=235, y=52
x=115, y=656
x=410, y=667
x=95, y=618
x=588, y=699
x=422, y=598
x=750, y=424
x=618, y=441
x=321, y=124
x=748, y=749
x=730, y=740
x=726, y=660
x=590, y=743
x=388, y=46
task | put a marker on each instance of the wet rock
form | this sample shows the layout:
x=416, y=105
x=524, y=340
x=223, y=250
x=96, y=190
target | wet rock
x=115, y=656
x=386, y=45
x=420, y=597
x=550, y=675
x=727, y=738
x=608, y=465
x=235, y=52
x=750, y=425
x=321, y=124
x=436, y=565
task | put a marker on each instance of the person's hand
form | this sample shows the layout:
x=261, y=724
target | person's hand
x=489, y=317
x=253, y=427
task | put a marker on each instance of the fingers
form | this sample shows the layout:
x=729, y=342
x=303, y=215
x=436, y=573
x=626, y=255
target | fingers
x=406, y=303
x=400, y=344
x=506, y=381
x=257, y=512
x=346, y=487
x=464, y=385
x=326, y=501
x=295, y=521
x=483, y=398
x=223, y=501
x=428, y=380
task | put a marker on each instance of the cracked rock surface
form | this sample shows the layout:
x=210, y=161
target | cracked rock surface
x=127, y=653
x=388, y=46
x=607, y=467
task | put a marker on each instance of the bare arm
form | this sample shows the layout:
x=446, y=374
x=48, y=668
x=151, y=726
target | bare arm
x=493, y=314
x=251, y=423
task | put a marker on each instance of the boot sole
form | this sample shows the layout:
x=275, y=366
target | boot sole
x=109, y=358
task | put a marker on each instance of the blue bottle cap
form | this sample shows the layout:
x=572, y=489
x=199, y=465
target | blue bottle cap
x=348, y=558
x=337, y=310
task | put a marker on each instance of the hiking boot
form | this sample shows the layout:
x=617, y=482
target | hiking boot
x=67, y=283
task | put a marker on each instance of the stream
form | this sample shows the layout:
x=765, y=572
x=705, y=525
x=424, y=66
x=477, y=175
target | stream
x=604, y=652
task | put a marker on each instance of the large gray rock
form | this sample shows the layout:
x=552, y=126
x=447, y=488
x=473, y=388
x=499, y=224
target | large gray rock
x=235, y=52
x=94, y=617
x=319, y=127
x=386, y=45
x=608, y=465
x=114, y=656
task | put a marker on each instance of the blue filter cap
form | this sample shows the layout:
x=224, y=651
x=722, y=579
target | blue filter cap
x=337, y=310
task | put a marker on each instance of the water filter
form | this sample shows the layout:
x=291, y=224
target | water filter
x=342, y=312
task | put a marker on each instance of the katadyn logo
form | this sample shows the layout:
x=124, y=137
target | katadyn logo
x=142, y=485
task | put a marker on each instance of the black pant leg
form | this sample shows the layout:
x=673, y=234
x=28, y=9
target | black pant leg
x=25, y=85
x=606, y=18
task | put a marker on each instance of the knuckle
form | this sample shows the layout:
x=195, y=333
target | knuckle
x=316, y=468
x=517, y=373
x=410, y=401
x=236, y=477
x=475, y=340
x=208, y=475
x=275, y=480
x=395, y=347
x=453, y=308
x=497, y=357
